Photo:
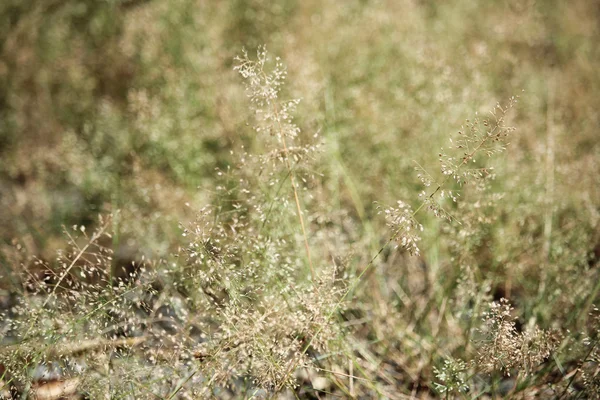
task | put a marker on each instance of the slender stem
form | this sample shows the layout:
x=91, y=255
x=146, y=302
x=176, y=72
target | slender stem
x=186, y=380
x=299, y=210
x=294, y=187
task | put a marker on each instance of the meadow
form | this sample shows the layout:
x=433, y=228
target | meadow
x=299, y=199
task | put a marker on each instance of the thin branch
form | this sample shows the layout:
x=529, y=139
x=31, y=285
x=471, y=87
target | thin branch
x=94, y=237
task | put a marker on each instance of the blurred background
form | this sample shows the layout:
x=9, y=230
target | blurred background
x=131, y=105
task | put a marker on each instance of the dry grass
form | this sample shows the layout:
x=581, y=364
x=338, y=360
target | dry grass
x=320, y=234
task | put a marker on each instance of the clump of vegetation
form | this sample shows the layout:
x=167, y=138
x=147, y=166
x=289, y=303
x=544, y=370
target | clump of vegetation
x=180, y=219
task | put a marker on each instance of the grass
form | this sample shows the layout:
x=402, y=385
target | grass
x=363, y=210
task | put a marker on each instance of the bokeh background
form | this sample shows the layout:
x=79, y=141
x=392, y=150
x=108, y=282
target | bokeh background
x=132, y=104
